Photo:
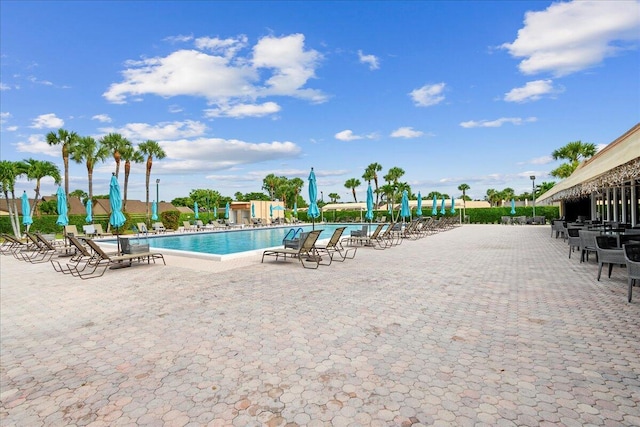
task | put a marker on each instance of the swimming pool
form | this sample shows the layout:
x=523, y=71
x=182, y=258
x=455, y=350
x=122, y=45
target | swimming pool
x=234, y=241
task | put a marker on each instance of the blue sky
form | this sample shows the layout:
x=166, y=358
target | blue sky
x=452, y=92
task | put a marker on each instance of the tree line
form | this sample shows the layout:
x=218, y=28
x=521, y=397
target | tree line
x=80, y=149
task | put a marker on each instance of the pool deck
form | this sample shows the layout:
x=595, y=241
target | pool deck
x=480, y=325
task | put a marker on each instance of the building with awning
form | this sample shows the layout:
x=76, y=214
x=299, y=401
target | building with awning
x=604, y=187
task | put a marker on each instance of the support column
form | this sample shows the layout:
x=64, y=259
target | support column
x=634, y=203
x=615, y=205
x=624, y=203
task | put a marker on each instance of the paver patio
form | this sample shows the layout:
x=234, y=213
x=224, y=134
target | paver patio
x=480, y=325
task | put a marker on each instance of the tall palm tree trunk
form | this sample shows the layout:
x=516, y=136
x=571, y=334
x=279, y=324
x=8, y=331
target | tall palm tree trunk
x=15, y=220
x=149, y=164
x=127, y=170
x=65, y=161
x=12, y=214
x=375, y=180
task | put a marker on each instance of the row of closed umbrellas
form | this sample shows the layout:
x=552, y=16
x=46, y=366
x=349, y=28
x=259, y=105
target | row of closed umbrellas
x=117, y=219
x=405, y=211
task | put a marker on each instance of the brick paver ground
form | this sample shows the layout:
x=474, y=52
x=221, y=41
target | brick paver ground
x=480, y=325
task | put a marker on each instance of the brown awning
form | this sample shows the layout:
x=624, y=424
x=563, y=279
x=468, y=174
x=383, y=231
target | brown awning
x=612, y=166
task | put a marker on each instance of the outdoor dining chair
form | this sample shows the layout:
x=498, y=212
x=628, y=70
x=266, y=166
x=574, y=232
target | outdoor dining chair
x=608, y=253
x=588, y=244
x=632, y=258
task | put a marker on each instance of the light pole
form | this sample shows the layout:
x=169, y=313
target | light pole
x=533, y=192
x=158, y=195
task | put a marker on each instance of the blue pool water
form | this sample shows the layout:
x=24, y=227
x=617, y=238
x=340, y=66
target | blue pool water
x=236, y=241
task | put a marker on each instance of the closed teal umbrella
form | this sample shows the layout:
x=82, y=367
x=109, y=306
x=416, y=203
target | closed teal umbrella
x=154, y=211
x=443, y=211
x=295, y=208
x=453, y=206
x=271, y=211
x=26, y=211
x=404, y=205
x=226, y=211
x=89, y=207
x=215, y=212
x=116, y=219
x=62, y=208
x=419, y=209
x=513, y=207
x=369, y=215
x=434, y=209
x=195, y=209
x=253, y=210
x=313, y=211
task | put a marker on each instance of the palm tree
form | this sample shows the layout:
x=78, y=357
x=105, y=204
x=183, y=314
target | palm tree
x=115, y=144
x=296, y=184
x=9, y=172
x=129, y=154
x=373, y=170
x=388, y=190
x=88, y=150
x=464, y=187
x=352, y=183
x=491, y=196
x=80, y=194
x=575, y=152
x=334, y=197
x=544, y=187
x=269, y=183
x=66, y=139
x=394, y=174
x=150, y=149
x=38, y=169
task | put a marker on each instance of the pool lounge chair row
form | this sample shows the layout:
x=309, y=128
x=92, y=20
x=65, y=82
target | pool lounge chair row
x=92, y=261
x=80, y=257
x=312, y=255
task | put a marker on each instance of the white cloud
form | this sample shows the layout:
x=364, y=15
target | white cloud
x=371, y=60
x=544, y=160
x=532, y=91
x=571, y=36
x=406, y=132
x=4, y=117
x=47, y=121
x=497, y=123
x=292, y=66
x=174, y=108
x=179, y=38
x=37, y=144
x=104, y=118
x=227, y=47
x=428, y=95
x=35, y=80
x=243, y=110
x=207, y=154
x=4, y=87
x=160, y=131
x=276, y=66
x=347, y=135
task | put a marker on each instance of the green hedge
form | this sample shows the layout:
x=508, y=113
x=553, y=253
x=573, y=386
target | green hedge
x=494, y=215
x=173, y=219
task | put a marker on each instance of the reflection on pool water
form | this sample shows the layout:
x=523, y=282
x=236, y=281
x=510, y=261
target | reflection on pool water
x=236, y=241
